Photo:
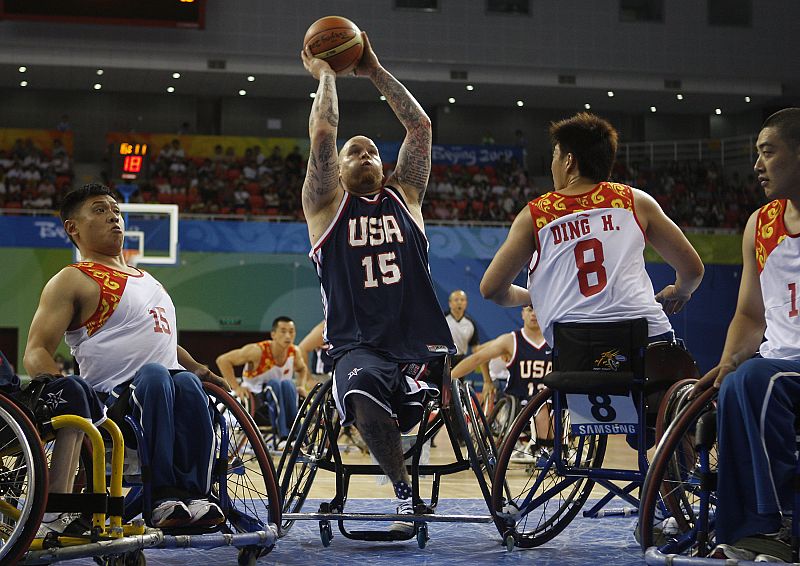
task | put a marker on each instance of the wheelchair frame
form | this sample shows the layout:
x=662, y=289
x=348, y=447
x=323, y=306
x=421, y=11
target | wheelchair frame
x=574, y=466
x=320, y=450
x=121, y=542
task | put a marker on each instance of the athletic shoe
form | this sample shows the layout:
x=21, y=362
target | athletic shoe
x=759, y=548
x=542, y=456
x=170, y=513
x=403, y=527
x=65, y=523
x=204, y=513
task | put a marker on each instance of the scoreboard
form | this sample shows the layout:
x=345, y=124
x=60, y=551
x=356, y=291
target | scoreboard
x=167, y=13
x=130, y=162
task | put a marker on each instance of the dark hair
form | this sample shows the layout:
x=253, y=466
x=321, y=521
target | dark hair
x=74, y=199
x=280, y=319
x=591, y=139
x=787, y=122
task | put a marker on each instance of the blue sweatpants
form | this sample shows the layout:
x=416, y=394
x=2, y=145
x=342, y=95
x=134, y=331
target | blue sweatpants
x=174, y=413
x=286, y=396
x=755, y=423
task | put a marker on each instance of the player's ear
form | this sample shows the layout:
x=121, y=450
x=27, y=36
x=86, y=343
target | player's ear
x=70, y=227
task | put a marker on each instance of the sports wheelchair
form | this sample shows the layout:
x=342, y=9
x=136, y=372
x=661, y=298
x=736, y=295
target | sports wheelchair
x=606, y=380
x=313, y=447
x=242, y=483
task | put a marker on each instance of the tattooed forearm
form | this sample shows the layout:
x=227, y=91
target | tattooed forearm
x=322, y=172
x=325, y=109
x=414, y=160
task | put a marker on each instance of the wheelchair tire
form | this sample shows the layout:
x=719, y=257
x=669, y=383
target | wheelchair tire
x=23, y=481
x=252, y=496
x=308, y=444
x=502, y=417
x=677, y=509
x=475, y=432
x=674, y=401
x=561, y=496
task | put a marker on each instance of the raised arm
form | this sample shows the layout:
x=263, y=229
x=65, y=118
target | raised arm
x=671, y=244
x=414, y=159
x=321, y=187
x=501, y=346
x=313, y=339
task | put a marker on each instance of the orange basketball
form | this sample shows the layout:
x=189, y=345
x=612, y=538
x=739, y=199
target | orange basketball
x=337, y=40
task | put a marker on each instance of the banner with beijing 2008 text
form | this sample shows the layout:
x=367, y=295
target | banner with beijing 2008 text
x=466, y=155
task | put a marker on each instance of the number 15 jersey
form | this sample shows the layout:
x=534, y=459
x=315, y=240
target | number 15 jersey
x=589, y=264
x=377, y=292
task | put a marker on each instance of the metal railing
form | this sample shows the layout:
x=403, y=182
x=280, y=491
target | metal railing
x=726, y=152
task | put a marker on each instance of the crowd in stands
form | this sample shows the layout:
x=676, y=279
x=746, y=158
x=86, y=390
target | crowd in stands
x=32, y=177
x=256, y=184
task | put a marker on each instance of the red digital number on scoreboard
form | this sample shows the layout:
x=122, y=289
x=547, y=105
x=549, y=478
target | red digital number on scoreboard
x=132, y=164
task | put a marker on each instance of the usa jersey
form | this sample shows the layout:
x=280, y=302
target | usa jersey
x=376, y=286
x=589, y=262
x=528, y=365
x=255, y=378
x=778, y=262
x=134, y=324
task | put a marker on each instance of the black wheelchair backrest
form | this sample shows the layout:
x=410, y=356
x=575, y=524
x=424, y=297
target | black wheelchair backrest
x=601, y=346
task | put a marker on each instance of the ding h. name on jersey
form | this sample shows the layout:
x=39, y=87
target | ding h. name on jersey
x=377, y=292
x=589, y=262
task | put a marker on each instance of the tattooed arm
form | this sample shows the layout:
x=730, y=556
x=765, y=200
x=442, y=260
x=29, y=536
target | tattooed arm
x=321, y=189
x=414, y=160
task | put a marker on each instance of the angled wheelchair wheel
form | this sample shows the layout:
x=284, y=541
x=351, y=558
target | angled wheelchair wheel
x=23, y=482
x=475, y=432
x=308, y=444
x=678, y=504
x=502, y=417
x=675, y=400
x=532, y=501
x=244, y=479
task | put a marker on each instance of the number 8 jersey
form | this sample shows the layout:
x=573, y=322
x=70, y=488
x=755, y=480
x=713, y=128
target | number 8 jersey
x=377, y=292
x=589, y=264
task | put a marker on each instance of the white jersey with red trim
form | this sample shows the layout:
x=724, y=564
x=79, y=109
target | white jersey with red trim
x=778, y=260
x=255, y=378
x=589, y=264
x=134, y=324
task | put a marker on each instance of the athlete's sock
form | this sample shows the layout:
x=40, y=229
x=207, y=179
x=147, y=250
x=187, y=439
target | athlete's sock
x=402, y=490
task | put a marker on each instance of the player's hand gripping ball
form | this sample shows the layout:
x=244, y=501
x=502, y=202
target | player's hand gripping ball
x=337, y=40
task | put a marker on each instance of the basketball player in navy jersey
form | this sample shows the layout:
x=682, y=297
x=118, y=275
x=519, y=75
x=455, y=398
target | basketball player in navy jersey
x=371, y=254
x=528, y=360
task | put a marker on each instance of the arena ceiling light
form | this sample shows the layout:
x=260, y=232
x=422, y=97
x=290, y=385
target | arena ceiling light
x=610, y=94
x=170, y=89
x=99, y=72
x=97, y=86
x=242, y=92
x=250, y=78
x=679, y=96
x=176, y=75
x=451, y=100
x=653, y=109
x=718, y=111
x=312, y=94
x=23, y=69
x=747, y=99
x=383, y=98
x=520, y=103
x=470, y=87
x=23, y=83
x=587, y=106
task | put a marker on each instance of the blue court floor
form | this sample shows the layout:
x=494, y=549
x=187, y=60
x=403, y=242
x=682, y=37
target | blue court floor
x=606, y=541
